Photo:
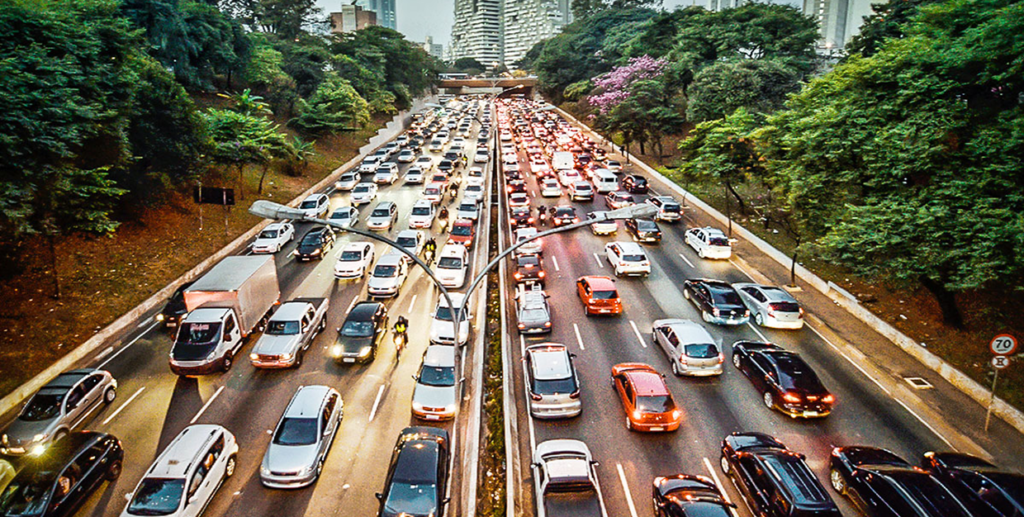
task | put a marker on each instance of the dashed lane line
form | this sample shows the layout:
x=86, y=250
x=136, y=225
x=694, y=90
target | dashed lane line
x=207, y=405
x=579, y=339
x=121, y=408
x=625, y=489
x=687, y=260
x=376, y=402
x=637, y=332
x=721, y=488
x=597, y=258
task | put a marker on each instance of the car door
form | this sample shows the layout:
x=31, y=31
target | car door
x=307, y=334
x=753, y=482
x=761, y=371
x=214, y=462
x=753, y=297
x=612, y=255
x=90, y=468
x=232, y=335
x=75, y=405
x=93, y=393
x=663, y=336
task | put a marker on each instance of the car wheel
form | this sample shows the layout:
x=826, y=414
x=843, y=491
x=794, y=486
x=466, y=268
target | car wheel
x=769, y=402
x=700, y=253
x=706, y=316
x=59, y=435
x=109, y=395
x=629, y=424
x=838, y=483
x=686, y=294
x=724, y=463
x=736, y=360
x=227, y=361
x=675, y=368
x=229, y=468
x=759, y=319
x=114, y=471
x=586, y=311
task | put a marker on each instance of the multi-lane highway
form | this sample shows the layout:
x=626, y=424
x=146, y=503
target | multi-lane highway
x=154, y=405
x=713, y=407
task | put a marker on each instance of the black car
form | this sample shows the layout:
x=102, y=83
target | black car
x=717, y=301
x=58, y=482
x=784, y=380
x=529, y=268
x=513, y=175
x=360, y=335
x=635, y=184
x=446, y=166
x=684, y=495
x=993, y=491
x=315, y=244
x=584, y=159
x=175, y=308
x=775, y=481
x=418, y=475
x=520, y=217
x=884, y=485
x=564, y=215
x=514, y=186
x=644, y=230
x=453, y=156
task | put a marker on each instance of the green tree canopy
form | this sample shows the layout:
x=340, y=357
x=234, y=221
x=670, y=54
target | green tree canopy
x=758, y=85
x=335, y=107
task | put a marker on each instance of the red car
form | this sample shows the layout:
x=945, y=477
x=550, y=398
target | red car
x=599, y=295
x=645, y=397
x=463, y=232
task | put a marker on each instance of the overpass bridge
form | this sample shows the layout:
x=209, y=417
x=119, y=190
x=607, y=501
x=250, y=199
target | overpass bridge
x=499, y=85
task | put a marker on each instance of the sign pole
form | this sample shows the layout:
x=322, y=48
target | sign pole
x=200, y=206
x=991, y=400
x=227, y=209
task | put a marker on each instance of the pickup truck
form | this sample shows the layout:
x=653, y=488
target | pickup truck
x=565, y=480
x=289, y=333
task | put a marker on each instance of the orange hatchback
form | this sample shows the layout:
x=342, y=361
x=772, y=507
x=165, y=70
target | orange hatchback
x=645, y=398
x=463, y=231
x=599, y=295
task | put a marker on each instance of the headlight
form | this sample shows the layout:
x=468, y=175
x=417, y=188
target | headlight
x=264, y=470
x=365, y=351
x=416, y=406
x=316, y=252
x=308, y=468
x=286, y=357
x=450, y=408
x=254, y=357
x=39, y=437
x=637, y=415
x=336, y=350
x=37, y=450
x=159, y=317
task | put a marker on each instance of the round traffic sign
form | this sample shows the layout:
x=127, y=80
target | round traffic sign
x=1000, y=361
x=1003, y=344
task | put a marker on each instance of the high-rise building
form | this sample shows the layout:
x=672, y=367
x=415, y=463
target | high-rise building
x=385, y=10
x=476, y=32
x=718, y=5
x=434, y=49
x=352, y=18
x=526, y=22
x=838, y=20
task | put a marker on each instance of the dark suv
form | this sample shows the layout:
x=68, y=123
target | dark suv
x=361, y=333
x=529, y=268
x=418, y=475
x=993, y=490
x=315, y=244
x=775, y=481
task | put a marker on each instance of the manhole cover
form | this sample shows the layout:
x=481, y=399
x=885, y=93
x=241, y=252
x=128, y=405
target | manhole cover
x=918, y=383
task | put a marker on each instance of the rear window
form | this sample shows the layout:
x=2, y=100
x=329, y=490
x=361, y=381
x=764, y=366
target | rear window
x=670, y=207
x=606, y=295
x=718, y=241
x=553, y=386
x=702, y=351
x=450, y=263
x=784, y=306
x=659, y=404
x=725, y=297
x=634, y=258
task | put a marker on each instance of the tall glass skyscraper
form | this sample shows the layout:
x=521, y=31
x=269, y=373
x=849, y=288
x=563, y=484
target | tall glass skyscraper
x=385, y=10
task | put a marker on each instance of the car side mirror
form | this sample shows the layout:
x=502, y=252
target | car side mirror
x=193, y=499
x=380, y=496
x=462, y=380
x=416, y=378
x=595, y=463
x=338, y=330
x=446, y=500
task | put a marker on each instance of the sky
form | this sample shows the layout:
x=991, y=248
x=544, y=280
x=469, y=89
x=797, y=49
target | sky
x=418, y=19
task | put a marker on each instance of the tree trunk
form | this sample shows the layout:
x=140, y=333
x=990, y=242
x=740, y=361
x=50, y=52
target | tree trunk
x=792, y=269
x=947, y=302
x=241, y=182
x=263, y=176
x=642, y=151
x=743, y=207
x=52, y=242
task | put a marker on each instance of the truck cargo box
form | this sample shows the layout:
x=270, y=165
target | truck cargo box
x=248, y=284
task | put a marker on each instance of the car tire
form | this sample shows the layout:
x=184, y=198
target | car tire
x=229, y=467
x=109, y=395
x=736, y=360
x=59, y=435
x=836, y=480
x=769, y=401
x=707, y=317
x=700, y=253
x=226, y=366
x=113, y=471
x=629, y=424
x=723, y=463
x=686, y=293
x=675, y=368
x=759, y=319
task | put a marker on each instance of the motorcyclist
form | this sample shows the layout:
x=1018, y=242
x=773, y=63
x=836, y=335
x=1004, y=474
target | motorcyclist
x=443, y=214
x=429, y=248
x=401, y=327
x=542, y=215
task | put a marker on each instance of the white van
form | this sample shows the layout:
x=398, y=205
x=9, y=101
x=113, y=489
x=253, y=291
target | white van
x=605, y=181
x=184, y=478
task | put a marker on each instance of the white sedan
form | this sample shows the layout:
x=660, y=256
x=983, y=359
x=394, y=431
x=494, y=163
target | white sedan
x=441, y=328
x=709, y=243
x=568, y=177
x=549, y=187
x=422, y=214
x=468, y=210
x=481, y=156
x=627, y=258
x=346, y=216
x=354, y=260
x=273, y=238
x=424, y=162
x=406, y=156
x=414, y=175
x=518, y=199
x=386, y=173
x=347, y=181
x=364, y=193
x=474, y=193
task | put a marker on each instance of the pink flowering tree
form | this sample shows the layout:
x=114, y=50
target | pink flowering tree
x=614, y=86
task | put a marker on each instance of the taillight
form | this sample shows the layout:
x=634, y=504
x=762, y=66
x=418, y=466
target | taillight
x=721, y=358
x=575, y=220
x=511, y=220
x=534, y=396
x=522, y=325
x=575, y=394
x=828, y=399
x=541, y=274
x=547, y=323
x=716, y=312
x=517, y=275
x=801, y=313
x=682, y=360
x=530, y=220
x=791, y=397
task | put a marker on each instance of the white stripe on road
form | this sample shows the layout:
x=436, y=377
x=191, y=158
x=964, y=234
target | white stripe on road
x=376, y=402
x=118, y=411
x=848, y=358
x=412, y=303
x=208, y=402
x=625, y=488
x=637, y=332
x=721, y=488
x=744, y=271
x=353, y=304
x=687, y=260
x=554, y=260
x=926, y=424
x=144, y=332
x=579, y=339
x=597, y=258
x=758, y=332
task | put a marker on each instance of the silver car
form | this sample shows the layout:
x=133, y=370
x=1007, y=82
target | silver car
x=388, y=276
x=383, y=216
x=771, y=306
x=467, y=210
x=57, y=409
x=552, y=387
x=436, y=394
x=533, y=314
x=689, y=347
x=411, y=241
x=346, y=216
x=302, y=439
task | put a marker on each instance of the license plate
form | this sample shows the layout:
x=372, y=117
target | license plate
x=349, y=360
x=657, y=429
x=604, y=310
x=811, y=413
x=433, y=417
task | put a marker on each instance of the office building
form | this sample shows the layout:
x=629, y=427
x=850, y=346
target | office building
x=527, y=22
x=385, y=10
x=352, y=18
x=476, y=32
x=838, y=20
x=434, y=49
x=718, y=5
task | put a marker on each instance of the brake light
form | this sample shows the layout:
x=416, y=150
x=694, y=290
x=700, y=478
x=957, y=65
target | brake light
x=575, y=394
x=517, y=275
x=682, y=360
x=716, y=312
x=801, y=313
x=828, y=399
x=541, y=274
x=511, y=220
x=791, y=397
x=522, y=326
x=575, y=220
x=547, y=323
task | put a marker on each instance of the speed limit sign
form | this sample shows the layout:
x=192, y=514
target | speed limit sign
x=1003, y=344
x=1000, y=361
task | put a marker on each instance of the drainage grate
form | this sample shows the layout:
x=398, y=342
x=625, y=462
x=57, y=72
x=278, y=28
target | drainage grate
x=918, y=383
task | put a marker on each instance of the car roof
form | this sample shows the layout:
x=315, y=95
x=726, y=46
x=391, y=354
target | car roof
x=314, y=197
x=355, y=246
x=177, y=458
x=391, y=259
x=715, y=232
x=532, y=299
x=647, y=383
x=600, y=283
x=439, y=355
x=362, y=311
x=630, y=247
x=423, y=202
x=690, y=332
x=384, y=204
x=457, y=299
x=550, y=361
x=67, y=379
x=307, y=401
x=795, y=477
x=275, y=226
x=454, y=250
x=407, y=233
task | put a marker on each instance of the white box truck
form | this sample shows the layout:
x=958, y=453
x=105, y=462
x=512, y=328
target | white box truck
x=563, y=161
x=224, y=307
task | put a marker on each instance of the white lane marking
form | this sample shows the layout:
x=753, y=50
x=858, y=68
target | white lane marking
x=758, y=332
x=119, y=409
x=132, y=342
x=353, y=304
x=554, y=260
x=597, y=258
x=208, y=402
x=533, y=194
x=141, y=324
x=579, y=339
x=637, y=332
x=687, y=260
x=926, y=424
x=721, y=488
x=376, y=402
x=744, y=271
x=850, y=359
x=412, y=303
x=625, y=488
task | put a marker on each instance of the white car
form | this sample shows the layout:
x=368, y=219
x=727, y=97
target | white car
x=481, y=156
x=538, y=166
x=388, y=276
x=354, y=260
x=346, y=216
x=518, y=199
x=508, y=158
x=424, y=162
x=709, y=243
x=475, y=176
x=452, y=266
x=614, y=166
x=273, y=238
x=411, y=241
x=346, y=182
x=414, y=175
x=315, y=205
x=406, y=156
x=364, y=193
x=369, y=164
x=549, y=187
x=605, y=227
x=386, y=173
x=568, y=177
x=771, y=306
x=441, y=327
x=422, y=215
x=474, y=193
x=433, y=192
x=533, y=247
x=436, y=394
x=561, y=466
x=511, y=167
x=467, y=210
x=627, y=258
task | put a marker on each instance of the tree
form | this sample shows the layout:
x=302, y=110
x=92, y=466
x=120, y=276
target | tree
x=240, y=139
x=757, y=85
x=287, y=19
x=247, y=104
x=468, y=65
x=335, y=107
x=585, y=8
x=263, y=72
x=723, y=151
x=886, y=21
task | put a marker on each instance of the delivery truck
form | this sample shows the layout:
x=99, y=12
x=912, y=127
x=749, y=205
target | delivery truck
x=224, y=306
x=563, y=161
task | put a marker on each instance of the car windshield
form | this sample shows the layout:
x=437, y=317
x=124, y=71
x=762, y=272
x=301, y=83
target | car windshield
x=381, y=212
x=725, y=297
x=268, y=234
x=605, y=295
x=311, y=238
x=701, y=351
x=659, y=404
x=361, y=189
x=467, y=207
x=27, y=496
x=43, y=406
x=341, y=214
x=445, y=314
x=421, y=210
x=357, y=329
x=157, y=496
x=296, y=431
x=385, y=271
x=351, y=256
x=198, y=333
x=646, y=226
x=411, y=499
x=462, y=230
x=634, y=258
x=450, y=263
x=437, y=375
x=407, y=242
x=308, y=204
x=283, y=328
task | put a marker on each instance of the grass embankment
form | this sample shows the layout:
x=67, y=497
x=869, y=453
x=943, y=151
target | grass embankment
x=491, y=498
x=104, y=277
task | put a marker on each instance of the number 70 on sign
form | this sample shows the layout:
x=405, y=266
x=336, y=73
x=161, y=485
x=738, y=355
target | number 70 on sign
x=1003, y=344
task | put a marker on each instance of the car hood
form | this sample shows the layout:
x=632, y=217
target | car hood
x=376, y=282
x=434, y=396
x=378, y=220
x=20, y=432
x=352, y=345
x=443, y=329
x=276, y=345
x=288, y=458
x=264, y=242
x=305, y=249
